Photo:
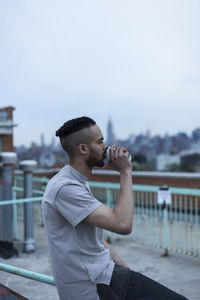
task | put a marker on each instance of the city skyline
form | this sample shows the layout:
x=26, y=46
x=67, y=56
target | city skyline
x=138, y=63
x=110, y=136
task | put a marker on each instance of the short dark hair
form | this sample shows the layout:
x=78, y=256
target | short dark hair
x=74, y=125
x=74, y=132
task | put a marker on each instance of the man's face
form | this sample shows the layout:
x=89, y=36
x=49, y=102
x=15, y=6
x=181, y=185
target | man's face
x=97, y=148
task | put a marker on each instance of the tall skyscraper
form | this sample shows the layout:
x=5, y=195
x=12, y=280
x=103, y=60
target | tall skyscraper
x=42, y=141
x=110, y=134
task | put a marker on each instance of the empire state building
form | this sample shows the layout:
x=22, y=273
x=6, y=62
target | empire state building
x=110, y=133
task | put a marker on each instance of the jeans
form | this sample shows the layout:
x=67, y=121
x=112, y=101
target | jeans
x=118, y=285
x=134, y=286
x=141, y=287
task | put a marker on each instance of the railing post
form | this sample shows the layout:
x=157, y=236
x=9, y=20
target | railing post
x=15, y=224
x=28, y=166
x=165, y=241
x=8, y=160
x=110, y=205
x=165, y=199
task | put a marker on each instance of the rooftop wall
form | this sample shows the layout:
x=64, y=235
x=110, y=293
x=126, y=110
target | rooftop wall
x=173, y=179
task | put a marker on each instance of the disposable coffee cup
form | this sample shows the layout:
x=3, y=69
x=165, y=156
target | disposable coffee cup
x=108, y=153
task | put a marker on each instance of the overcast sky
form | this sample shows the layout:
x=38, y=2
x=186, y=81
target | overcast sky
x=136, y=61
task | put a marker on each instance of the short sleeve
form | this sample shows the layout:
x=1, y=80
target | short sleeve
x=75, y=203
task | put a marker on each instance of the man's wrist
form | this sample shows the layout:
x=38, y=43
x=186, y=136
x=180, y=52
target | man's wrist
x=126, y=172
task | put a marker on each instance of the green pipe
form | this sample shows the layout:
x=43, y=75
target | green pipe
x=138, y=187
x=27, y=274
x=104, y=185
x=6, y=202
x=146, y=188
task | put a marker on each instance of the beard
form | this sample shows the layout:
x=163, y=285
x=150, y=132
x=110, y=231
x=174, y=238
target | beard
x=92, y=161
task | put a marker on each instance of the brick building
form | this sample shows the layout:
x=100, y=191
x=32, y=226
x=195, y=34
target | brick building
x=6, y=129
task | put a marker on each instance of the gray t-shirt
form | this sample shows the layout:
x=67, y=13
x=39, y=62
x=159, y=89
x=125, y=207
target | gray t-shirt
x=78, y=258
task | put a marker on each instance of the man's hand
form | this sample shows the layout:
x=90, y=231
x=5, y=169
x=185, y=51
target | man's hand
x=114, y=255
x=119, y=159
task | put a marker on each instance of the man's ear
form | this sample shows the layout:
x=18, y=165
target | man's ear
x=83, y=148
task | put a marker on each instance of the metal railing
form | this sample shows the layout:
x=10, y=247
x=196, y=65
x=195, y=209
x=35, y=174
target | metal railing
x=175, y=227
x=28, y=274
x=19, y=271
x=39, y=185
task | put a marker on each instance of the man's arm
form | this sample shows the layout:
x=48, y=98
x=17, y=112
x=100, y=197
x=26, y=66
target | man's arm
x=119, y=219
x=114, y=255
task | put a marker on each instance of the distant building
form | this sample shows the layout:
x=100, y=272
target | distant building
x=6, y=129
x=165, y=160
x=42, y=141
x=196, y=135
x=110, y=133
x=132, y=138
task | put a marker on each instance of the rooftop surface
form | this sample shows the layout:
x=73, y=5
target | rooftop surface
x=178, y=272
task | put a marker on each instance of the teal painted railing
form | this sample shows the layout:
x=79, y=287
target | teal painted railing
x=39, y=185
x=28, y=274
x=174, y=228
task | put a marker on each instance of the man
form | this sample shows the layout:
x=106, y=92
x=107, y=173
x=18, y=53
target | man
x=84, y=265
